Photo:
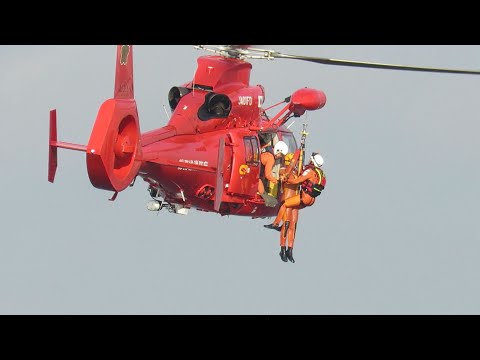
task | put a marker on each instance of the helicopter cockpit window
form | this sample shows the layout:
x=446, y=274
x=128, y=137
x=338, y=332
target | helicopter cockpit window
x=175, y=94
x=215, y=106
x=252, y=153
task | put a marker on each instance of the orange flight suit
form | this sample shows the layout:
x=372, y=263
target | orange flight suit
x=302, y=199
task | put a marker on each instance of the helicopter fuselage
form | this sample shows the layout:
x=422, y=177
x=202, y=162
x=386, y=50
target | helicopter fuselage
x=214, y=173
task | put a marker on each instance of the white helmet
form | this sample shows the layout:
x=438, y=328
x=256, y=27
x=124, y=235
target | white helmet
x=317, y=159
x=280, y=147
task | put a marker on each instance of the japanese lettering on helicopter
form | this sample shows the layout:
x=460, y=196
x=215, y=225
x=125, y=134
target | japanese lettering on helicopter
x=194, y=162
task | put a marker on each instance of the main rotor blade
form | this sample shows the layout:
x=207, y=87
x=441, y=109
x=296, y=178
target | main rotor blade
x=372, y=65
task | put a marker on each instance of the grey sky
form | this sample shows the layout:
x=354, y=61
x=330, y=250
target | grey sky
x=396, y=231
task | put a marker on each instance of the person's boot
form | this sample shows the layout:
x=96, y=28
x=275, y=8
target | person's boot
x=273, y=226
x=283, y=254
x=289, y=254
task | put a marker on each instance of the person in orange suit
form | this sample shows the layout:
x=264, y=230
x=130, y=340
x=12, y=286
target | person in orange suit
x=268, y=156
x=312, y=182
x=290, y=218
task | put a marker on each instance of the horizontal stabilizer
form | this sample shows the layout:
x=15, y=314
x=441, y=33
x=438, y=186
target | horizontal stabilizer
x=53, y=144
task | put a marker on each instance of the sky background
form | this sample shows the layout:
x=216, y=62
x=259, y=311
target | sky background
x=396, y=231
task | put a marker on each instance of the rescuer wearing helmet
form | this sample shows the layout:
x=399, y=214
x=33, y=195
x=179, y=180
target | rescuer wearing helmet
x=312, y=181
x=268, y=155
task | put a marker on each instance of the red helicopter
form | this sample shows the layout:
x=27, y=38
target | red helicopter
x=208, y=155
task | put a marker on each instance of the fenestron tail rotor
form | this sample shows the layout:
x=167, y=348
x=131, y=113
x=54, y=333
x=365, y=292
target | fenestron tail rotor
x=245, y=52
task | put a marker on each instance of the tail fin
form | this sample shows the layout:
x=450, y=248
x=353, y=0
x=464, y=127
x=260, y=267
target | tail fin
x=124, y=73
x=114, y=149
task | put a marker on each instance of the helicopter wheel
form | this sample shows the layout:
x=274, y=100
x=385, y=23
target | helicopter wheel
x=114, y=146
